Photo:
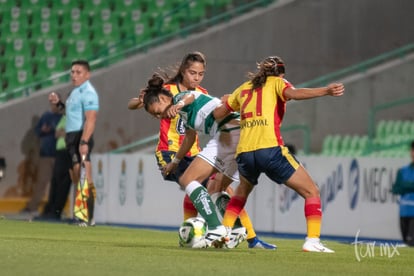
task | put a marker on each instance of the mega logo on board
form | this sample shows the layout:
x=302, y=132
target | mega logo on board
x=331, y=186
x=353, y=184
x=377, y=184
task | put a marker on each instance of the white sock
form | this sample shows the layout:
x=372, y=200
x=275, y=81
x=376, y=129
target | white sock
x=191, y=187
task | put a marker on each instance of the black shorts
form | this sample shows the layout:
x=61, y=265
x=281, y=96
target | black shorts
x=165, y=157
x=277, y=163
x=72, y=140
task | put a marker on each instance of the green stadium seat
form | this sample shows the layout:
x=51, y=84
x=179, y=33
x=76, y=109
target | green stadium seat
x=331, y=145
x=380, y=133
x=43, y=31
x=336, y=143
x=15, y=29
x=105, y=34
x=406, y=127
x=6, y=5
x=159, y=8
x=389, y=126
x=48, y=47
x=92, y=7
x=363, y=145
x=17, y=78
x=11, y=13
x=217, y=6
x=124, y=6
x=412, y=129
x=406, y=131
x=79, y=50
x=131, y=19
x=160, y=5
x=136, y=33
x=353, y=146
x=17, y=45
x=60, y=6
x=47, y=67
x=327, y=145
x=104, y=16
x=344, y=146
x=167, y=25
x=75, y=31
x=20, y=61
x=219, y=3
x=396, y=127
x=381, y=129
x=197, y=11
x=44, y=14
x=131, y=16
x=74, y=14
x=30, y=7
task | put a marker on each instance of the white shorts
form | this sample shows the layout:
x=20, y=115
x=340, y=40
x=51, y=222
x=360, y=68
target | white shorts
x=220, y=152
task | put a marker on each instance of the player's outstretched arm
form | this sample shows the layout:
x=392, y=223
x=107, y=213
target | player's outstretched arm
x=333, y=89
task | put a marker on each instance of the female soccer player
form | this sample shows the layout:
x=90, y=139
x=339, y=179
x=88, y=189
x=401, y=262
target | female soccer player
x=188, y=76
x=262, y=100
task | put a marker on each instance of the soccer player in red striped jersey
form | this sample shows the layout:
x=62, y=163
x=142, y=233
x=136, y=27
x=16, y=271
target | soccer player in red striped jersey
x=261, y=102
x=188, y=76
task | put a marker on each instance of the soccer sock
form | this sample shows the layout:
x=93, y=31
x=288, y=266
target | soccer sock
x=247, y=223
x=189, y=210
x=221, y=200
x=234, y=207
x=313, y=214
x=203, y=203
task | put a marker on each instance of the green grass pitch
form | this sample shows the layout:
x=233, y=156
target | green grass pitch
x=40, y=248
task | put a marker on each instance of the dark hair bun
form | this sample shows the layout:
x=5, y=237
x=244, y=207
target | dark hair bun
x=156, y=82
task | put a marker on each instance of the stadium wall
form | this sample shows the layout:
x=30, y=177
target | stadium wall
x=313, y=37
x=355, y=195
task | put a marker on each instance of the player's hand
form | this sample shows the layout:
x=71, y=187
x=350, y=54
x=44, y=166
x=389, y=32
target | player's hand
x=83, y=149
x=141, y=95
x=169, y=168
x=224, y=98
x=336, y=89
x=173, y=110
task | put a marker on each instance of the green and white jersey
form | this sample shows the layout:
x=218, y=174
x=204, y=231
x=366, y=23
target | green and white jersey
x=199, y=114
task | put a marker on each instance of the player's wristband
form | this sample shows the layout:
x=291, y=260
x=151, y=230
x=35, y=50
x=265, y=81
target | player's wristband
x=83, y=142
x=176, y=160
x=181, y=102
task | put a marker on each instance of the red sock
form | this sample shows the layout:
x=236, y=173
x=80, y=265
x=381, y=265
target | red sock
x=189, y=210
x=313, y=214
x=234, y=207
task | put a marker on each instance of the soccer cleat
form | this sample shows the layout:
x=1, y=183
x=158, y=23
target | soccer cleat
x=82, y=224
x=257, y=243
x=92, y=222
x=216, y=238
x=315, y=245
x=236, y=236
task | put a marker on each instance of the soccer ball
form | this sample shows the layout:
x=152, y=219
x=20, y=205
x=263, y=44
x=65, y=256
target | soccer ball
x=191, y=231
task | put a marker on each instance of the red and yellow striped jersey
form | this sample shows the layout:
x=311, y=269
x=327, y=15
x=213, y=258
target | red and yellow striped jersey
x=172, y=131
x=261, y=113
